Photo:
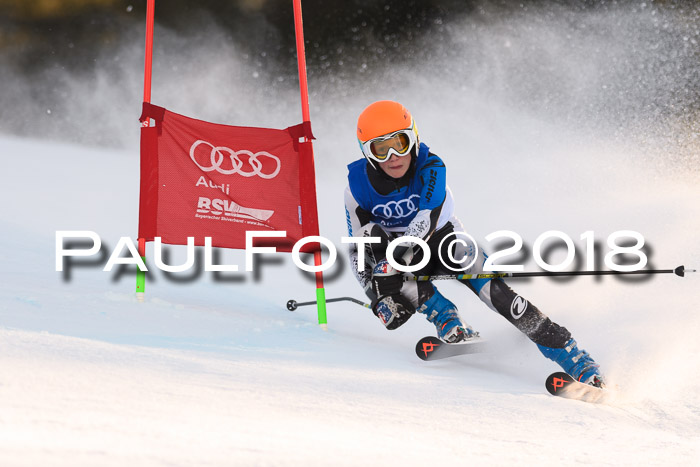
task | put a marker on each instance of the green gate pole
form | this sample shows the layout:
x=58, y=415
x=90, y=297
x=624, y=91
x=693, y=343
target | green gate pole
x=321, y=301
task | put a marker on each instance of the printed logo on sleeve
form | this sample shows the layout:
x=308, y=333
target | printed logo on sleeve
x=518, y=307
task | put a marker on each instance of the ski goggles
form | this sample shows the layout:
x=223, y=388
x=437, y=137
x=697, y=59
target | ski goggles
x=382, y=148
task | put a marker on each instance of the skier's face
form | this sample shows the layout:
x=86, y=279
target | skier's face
x=396, y=166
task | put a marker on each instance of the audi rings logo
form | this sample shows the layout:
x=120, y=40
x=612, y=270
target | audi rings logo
x=396, y=209
x=218, y=156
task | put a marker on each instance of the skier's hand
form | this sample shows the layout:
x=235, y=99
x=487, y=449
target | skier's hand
x=393, y=310
x=386, y=280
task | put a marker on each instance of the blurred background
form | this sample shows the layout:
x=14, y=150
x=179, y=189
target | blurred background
x=627, y=70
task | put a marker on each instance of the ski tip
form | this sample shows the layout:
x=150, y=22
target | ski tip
x=557, y=382
x=563, y=385
x=426, y=346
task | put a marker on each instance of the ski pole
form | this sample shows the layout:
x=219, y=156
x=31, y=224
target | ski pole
x=293, y=304
x=679, y=271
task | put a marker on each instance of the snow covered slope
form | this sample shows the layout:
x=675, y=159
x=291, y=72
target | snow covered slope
x=215, y=371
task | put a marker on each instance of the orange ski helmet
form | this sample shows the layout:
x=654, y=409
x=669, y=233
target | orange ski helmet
x=385, y=128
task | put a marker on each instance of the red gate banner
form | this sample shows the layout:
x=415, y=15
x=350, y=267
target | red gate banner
x=201, y=179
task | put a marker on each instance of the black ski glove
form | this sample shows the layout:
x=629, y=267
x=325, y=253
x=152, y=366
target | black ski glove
x=387, y=285
x=386, y=280
x=393, y=310
x=390, y=306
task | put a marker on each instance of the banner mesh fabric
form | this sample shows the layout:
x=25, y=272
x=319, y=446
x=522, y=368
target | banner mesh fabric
x=201, y=179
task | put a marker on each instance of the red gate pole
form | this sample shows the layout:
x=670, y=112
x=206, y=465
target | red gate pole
x=147, y=69
x=303, y=86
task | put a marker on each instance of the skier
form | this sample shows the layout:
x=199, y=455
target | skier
x=399, y=189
